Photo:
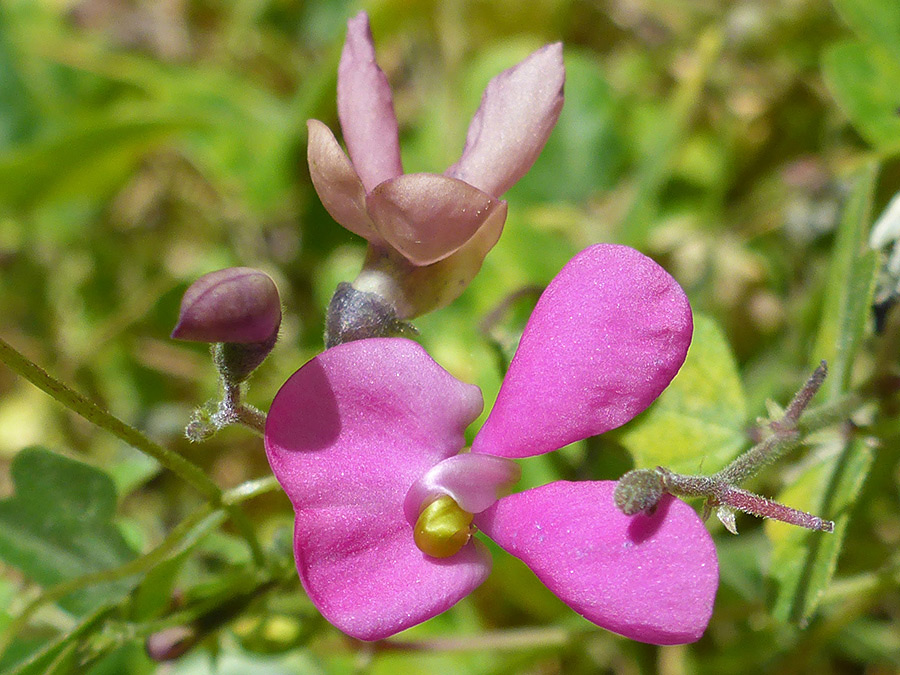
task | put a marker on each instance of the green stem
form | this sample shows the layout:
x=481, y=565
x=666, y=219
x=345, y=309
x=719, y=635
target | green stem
x=507, y=640
x=784, y=435
x=93, y=413
x=232, y=410
x=640, y=490
x=252, y=418
x=85, y=626
x=184, y=534
x=250, y=489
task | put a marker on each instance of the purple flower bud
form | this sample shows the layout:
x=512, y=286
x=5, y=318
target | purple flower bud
x=234, y=305
x=171, y=643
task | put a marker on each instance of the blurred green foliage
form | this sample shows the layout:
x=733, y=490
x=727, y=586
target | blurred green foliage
x=143, y=144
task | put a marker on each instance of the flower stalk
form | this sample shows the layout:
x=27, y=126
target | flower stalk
x=640, y=490
x=93, y=413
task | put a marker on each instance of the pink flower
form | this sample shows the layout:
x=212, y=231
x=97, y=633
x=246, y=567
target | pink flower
x=435, y=227
x=365, y=439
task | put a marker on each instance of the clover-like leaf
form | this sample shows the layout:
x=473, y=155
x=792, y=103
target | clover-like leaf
x=700, y=418
x=58, y=524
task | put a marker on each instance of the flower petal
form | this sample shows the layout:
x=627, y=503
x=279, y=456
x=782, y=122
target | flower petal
x=649, y=578
x=427, y=217
x=518, y=111
x=347, y=436
x=365, y=574
x=605, y=339
x=336, y=182
x=366, y=108
x=474, y=481
x=423, y=289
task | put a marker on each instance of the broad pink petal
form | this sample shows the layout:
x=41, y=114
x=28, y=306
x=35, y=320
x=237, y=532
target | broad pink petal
x=336, y=182
x=347, y=436
x=518, y=111
x=649, y=578
x=474, y=482
x=363, y=572
x=605, y=339
x=427, y=217
x=366, y=108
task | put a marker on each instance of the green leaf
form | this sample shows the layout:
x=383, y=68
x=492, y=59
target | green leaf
x=865, y=82
x=87, y=159
x=154, y=593
x=803, y=562
x=698, y=422
x=58, y=524
x=848, y=294
x=876, y=21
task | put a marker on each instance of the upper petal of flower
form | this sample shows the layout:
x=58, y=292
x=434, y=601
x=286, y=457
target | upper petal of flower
x=366, y=108
x=605, y=339
x=336, y=182
x=427, y=217
x=425, y=288
x=347, y=436
x=649, y=578
x=518, y=111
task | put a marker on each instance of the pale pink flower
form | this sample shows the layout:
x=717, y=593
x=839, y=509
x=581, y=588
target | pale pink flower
x=428, y=233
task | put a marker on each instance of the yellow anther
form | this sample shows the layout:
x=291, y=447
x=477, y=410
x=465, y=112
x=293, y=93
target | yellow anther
x=443, y=528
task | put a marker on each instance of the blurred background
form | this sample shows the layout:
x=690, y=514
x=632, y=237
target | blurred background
x=144, y=143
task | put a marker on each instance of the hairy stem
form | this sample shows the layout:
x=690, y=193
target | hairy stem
x=184, y=534
x=78, y=403
x=233, y=411
x=94, y=414
x=718, y=493
x=784, y=434
x=640, y=490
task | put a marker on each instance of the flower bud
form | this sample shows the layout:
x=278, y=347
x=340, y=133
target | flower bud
x=638, y=490
x=171, y=643
x=237, y=308
x=234, y=305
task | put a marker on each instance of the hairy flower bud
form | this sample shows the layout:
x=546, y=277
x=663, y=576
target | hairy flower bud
x=237, y=304
x=638, y=490
x=239, y=309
